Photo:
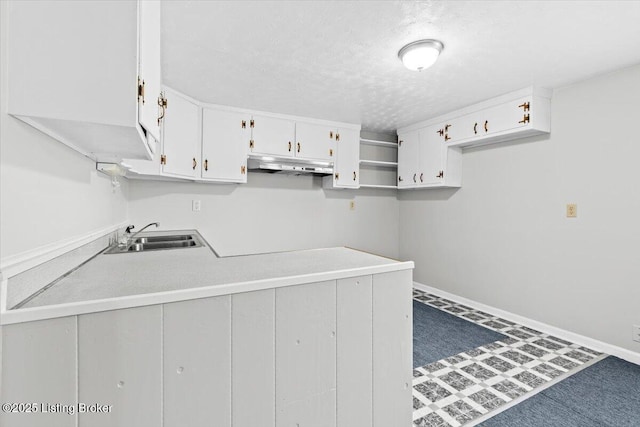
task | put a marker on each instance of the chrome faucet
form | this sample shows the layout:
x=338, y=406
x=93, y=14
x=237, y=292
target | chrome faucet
x=129, y=228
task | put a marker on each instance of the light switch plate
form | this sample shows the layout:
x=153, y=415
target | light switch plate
x=195, y=205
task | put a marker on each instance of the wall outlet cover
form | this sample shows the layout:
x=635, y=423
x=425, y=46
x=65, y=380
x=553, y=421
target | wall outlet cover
x=572, y=210
x=195, y=205
x=636, y=333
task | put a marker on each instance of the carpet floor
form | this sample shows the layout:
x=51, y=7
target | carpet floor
x=438, y=335
x=604, y=394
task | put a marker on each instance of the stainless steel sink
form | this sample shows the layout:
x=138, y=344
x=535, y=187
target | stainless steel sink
x=158, y=243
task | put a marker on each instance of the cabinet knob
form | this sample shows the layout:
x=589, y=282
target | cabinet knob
x=330, y=152
x=421, y=177
x=289, y=146
x=414, y=177
x=400, y=143
x=299, y=147
x=194, y=163
x=206, y=164
x=330, y=134
x=140, y=90
x=354, y=175
x=475, y=128
x=400, y=178
x=337, y=175
x=486, y=125
x=162, y=103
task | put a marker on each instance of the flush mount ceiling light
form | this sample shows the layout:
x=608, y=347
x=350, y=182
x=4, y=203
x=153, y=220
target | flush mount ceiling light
x=421, y=54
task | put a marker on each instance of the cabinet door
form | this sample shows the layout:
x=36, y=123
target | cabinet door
x=507, y=116
x=408, y=159
x=181, y=136
x=224, y=149
x=119, y=364
x=430, y=156
x=149, y=66
x=306, y=355
x=315, y=141
x=464, y=128
x=347, y=163
x=39, y=366
x=392, y=348
x=197, y=363
x=272, y=136
x=355, y=361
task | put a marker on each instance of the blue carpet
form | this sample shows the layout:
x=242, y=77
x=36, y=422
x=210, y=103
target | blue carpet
x=604, y=394
x=438, y=335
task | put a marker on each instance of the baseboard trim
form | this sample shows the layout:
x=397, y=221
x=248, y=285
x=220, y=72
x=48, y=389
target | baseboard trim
x=16, y=264
x=622, y=353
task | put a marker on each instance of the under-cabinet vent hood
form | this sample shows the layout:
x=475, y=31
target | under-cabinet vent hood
x=286, y=165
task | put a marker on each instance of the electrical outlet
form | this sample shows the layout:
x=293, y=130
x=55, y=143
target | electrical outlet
x=195, y=205
x=572, y=210
x=636, y=333
x=352, y=205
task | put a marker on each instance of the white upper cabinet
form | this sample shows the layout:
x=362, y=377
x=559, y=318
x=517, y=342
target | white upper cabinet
x=149, y=73
x=224, y=148
x=314, y=141
x=181, y=136
x=272, y=136
x=73, y=73
x=408, y=159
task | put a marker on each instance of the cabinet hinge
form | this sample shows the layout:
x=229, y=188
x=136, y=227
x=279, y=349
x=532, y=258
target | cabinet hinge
x=163, y=159
x=400, y=143
x=337, y=175
x=243, y=170
x=337, y=136
x=244, y=124
x=162, y=103
x=440, y=175
x=330, y=152
x=525, y=119
x=251, y=123
x=251, y=144
x=524, y=106
x=140, y=90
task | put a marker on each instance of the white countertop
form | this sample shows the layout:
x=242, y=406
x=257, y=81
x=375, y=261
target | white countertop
x=113, y=281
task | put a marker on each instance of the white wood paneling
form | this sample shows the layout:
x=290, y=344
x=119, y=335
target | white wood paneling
x=253, y=365
x=119, y=364
x=197, y=363
x=354, y=352
x=392, y=349
x=39, y=366
x=306, y=355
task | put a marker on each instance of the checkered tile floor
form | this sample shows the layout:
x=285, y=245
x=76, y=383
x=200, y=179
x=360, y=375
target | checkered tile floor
x=458, y=390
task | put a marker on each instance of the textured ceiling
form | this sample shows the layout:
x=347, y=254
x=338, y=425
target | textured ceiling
x=337, y=60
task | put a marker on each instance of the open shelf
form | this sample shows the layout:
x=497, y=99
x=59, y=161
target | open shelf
x=379, y=163
x=391, y=187
x=378, y=143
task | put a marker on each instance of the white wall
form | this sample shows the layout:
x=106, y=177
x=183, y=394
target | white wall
x=271, y=213
x=48, y=192
x=503, y=238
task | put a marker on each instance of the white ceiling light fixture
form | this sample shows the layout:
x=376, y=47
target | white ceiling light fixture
x=421, y=54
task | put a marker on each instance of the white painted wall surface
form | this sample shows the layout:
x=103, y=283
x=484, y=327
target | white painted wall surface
x=48, y=192
x=271, y=213
x=503, y=238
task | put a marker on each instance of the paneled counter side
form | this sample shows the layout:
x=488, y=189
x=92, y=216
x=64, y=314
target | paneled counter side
x=325, y=348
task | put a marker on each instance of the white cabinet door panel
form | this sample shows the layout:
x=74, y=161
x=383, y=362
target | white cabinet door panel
x=306, y=355
x=253, y=349
x=224, y=148
x=272, y=136
x=149, y=65
x=392, y=349
x=197, y=363
x=347, y=163
x=506, y=116
x=181, y=136
x=408, y=159
x=430, y=156
x=355, y=362
x=119, y=364
x=39, y=366
x=315, y=141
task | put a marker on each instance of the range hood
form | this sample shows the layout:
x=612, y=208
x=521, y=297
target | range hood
x=288, y=165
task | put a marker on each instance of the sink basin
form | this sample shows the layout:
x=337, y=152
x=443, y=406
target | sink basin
x=158, y=243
